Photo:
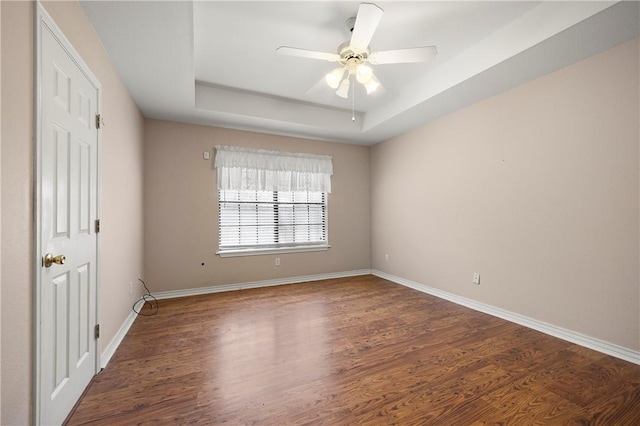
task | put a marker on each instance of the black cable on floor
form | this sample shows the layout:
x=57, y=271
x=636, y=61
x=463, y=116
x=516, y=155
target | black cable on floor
x=148, y=298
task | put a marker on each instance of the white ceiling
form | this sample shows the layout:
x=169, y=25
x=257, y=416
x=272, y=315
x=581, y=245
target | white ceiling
x=215, y=62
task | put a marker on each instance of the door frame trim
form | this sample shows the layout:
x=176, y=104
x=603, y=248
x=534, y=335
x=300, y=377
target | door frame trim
x=42, y=18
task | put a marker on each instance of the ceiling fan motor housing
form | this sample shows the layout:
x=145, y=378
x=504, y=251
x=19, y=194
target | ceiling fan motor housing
x=350, y=57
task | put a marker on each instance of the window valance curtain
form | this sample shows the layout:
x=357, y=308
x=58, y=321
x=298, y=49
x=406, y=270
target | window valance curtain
x=261, y=170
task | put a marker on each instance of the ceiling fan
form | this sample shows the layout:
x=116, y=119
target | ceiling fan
x=353, y=55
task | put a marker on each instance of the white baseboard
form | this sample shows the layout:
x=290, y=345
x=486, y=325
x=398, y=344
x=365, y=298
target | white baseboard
x=257, y=284
x=117, y=339
x=552, y=330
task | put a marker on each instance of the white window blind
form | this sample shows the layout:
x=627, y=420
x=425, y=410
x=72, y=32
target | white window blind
x=271, y=201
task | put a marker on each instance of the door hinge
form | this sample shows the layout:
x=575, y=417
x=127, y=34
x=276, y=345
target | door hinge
x=97, y=331
x=97, y=226
x=99, y=121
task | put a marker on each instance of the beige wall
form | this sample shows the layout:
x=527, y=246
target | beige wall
x=16, y=283
x=537, y=189
x=120, y=198
x=181, y=212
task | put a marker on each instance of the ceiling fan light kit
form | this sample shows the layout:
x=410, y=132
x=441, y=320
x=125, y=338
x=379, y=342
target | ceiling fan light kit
x=371, y=85
x=335, y=77
x=343, y=90
x=363, y=73
x=354, y=55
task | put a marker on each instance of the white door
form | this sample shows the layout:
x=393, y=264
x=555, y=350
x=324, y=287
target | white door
x=67, y=209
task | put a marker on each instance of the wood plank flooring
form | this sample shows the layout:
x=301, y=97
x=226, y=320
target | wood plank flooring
x=352, y=351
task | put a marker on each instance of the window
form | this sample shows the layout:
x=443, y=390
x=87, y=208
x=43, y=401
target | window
x=258, y=220
x=271, y=201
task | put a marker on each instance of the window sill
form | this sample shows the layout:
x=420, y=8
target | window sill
x=271, y=250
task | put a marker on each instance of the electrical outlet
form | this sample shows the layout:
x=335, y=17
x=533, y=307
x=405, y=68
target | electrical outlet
x=130, y=287
x=277, y=261
x=476, y=278
x=386, y=257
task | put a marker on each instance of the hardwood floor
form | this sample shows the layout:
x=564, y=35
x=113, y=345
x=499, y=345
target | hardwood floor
x=353, y=351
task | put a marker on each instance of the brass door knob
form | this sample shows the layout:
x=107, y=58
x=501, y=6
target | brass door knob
x=50, y=260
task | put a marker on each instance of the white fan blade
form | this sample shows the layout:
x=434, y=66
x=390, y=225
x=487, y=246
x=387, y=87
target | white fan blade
x=399, y=56
x=311, y=54
x=367, y=21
